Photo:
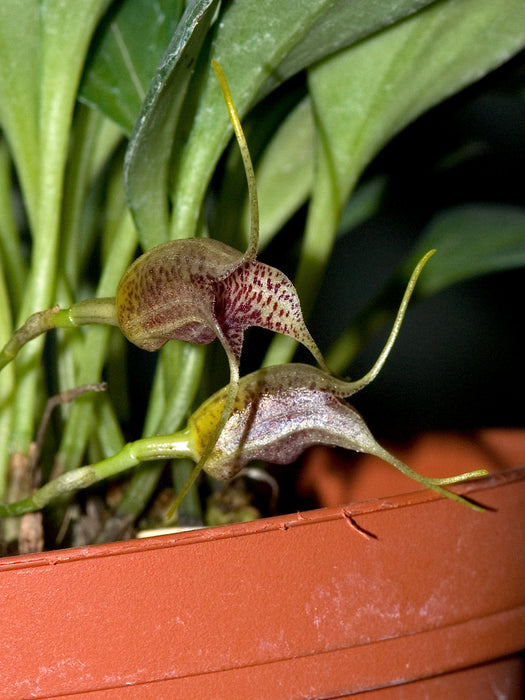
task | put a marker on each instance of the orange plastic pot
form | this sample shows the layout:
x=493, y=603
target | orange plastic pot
x=334, y=602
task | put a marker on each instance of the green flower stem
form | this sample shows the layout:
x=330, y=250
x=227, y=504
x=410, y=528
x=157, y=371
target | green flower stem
x=141, y=485
x=181, y=383
x=83, y=312
x=109, y=434
x=169, y=367
x=89, y=359
x=229, y=402
x=84, y=134
x=146, y=449
x=189, y=511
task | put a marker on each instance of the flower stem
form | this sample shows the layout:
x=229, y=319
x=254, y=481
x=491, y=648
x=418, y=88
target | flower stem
x=146, y=449
x=83, y=312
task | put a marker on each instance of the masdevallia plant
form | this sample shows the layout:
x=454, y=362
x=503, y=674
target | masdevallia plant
x=276, y=413
x=199, y=289
x=123, y=93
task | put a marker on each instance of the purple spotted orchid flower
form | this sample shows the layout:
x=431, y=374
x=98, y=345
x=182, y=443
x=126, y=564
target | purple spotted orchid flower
x=282, y=410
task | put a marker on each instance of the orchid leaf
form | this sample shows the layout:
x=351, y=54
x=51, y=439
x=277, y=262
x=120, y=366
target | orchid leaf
x=146, y=167
x=19, y=89
x=364, y=202
x=281, y=27
x=472, y=240
x=64, y=31
x=11, y=256
x=128, y=49
x=7, y=385
x=364, y=95
x=339, y=25
x=252, y=41
x=285, y=174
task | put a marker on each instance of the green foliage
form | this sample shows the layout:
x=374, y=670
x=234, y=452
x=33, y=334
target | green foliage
x=126, y=52
x=473, y=240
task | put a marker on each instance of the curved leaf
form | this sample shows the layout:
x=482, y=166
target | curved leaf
x=365, y=95
x=252, y=41
x=147, y=158
x=471, y=240
x=127, y=52
x=285, y=174
x=341, y=24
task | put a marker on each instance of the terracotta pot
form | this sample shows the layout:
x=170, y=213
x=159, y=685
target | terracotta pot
x=328, y=603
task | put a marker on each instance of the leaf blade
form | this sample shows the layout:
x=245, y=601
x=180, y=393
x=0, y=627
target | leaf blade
x=146, y=167
x=250, y=58
x=128, y=50
x=472, y=240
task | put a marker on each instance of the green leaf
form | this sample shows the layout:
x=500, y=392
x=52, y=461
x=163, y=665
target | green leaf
x=471, y=240
x=252, y=40
x=19, y=90
x=65, y=31
x=285, y=174
x=146, y=167
x=7, y=386
x=339, y=25
x=127, y=51
x=12, y=259
x=364, y=95
x=364, y=203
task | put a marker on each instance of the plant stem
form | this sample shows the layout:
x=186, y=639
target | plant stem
x=65, y=33
x=7, y=386
x=10, y=250
x=101, y=311
x=146, y=449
